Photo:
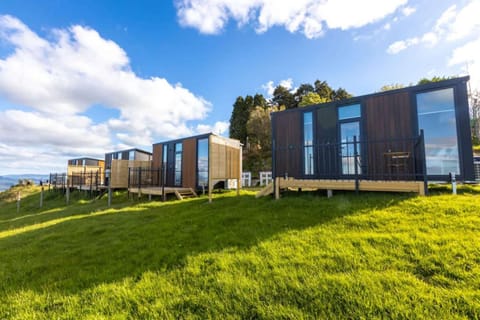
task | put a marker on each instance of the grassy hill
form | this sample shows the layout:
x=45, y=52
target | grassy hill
x=304, y=256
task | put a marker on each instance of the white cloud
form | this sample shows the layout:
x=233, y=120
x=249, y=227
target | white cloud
x=220, y=128
x=452, y=25
x=57, y=78
x=270, y=86
x=309, y=17
x=467, y=55
x=401, y=45
x=407, y=11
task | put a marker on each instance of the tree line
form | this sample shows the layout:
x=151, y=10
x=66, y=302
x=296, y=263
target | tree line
x=250, y=119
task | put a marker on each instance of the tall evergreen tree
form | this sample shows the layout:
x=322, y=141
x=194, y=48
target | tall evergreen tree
x=283, y=97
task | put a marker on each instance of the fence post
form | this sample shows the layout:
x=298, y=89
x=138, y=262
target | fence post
x=41, y=197
x=355, y=162
x=67, y=193
x=19, y=197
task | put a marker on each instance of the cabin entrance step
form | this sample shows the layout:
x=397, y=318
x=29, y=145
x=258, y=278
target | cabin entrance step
x=185, y=193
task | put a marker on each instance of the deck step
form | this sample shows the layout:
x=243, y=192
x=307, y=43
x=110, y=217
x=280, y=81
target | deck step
x=265, y=191
x=185, y=193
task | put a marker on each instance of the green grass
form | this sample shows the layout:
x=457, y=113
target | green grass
x=305, y=256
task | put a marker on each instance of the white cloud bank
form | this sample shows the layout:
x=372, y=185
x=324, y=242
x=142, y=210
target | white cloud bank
x=453, y=24
x=54, y=79
x=309, y=17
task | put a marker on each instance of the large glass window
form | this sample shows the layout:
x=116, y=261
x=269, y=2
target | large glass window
x=349, y=118
x=308, y=142
x=119, y=156
x=131, y=155
x=202, y=162
x=436, y=116
x=178, y=164
x=349, y=130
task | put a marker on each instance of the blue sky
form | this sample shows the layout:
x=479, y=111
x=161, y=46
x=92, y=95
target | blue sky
x=81, y=78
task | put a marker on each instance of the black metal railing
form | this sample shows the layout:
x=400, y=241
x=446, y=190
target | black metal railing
x=388, y=159
x=146, y=177
x=84, y=180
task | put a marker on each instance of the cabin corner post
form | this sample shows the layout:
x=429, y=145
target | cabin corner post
x=240, y=166
x=424, y=162
x=210, y=166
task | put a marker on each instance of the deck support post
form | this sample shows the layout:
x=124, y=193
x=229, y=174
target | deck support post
x=110, y=196
x=277, y=188
x=67, y=194
x=329, y=193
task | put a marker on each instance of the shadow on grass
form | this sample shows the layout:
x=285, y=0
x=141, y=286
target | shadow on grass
x=103, y=247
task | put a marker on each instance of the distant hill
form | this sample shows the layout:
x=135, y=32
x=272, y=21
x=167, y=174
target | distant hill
x=9, y=180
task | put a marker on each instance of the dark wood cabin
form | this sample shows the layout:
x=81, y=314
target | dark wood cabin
x=416, y=133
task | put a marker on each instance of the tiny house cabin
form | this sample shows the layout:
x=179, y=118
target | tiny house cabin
x=117, y=164
x=195, y=163
x=85, y=172
x=417, y=133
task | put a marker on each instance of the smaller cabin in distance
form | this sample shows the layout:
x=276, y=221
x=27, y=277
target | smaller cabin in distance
x=117, y=164
x=85, y=172
x=192, y=163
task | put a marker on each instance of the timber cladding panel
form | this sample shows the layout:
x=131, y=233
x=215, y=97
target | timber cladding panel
x=157, y=156
x=225, y=159
x=189, y=163
x=388, y=118
x=288, y=134
x=119, y=171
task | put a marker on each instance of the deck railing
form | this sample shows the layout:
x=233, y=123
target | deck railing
x=388, y=159
x=90, y=180
x=145, y=177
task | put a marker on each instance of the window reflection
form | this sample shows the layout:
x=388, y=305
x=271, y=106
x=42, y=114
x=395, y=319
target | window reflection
x=436, y=116
x=349, y=112
x=202, y=162
x=178, y=164
x=308, y=143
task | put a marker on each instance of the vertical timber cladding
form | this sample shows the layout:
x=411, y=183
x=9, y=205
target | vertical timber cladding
x=388, y=117
x=288, y=144
x=157, y=156
x=119, y=171
x=224, y=161
x=189, y=163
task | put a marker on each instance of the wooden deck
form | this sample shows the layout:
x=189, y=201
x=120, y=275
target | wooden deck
x=180, y=193
x=323, y=184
